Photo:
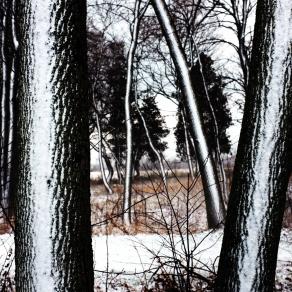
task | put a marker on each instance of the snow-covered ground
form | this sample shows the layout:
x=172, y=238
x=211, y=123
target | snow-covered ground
x=127, y=257
x=135, y=254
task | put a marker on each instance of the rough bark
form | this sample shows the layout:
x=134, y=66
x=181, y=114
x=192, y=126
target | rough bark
x=53, y=236
x=213, y=196
x=255, y=212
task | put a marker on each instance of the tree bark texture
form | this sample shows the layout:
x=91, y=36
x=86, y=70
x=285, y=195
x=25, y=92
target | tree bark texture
x=263, y=164
x=53, y=236
x=213, y=196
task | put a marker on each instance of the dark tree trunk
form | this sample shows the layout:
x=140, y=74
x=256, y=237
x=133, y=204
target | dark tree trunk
x=251, y=237
x=53, y=236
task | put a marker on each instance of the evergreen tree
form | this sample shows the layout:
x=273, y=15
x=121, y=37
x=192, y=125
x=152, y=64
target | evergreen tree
x=108, y=71
x=156, y=127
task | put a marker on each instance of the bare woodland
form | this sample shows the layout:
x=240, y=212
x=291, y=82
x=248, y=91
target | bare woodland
x=116, y=122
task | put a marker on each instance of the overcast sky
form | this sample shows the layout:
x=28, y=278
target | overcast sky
x=168, y=109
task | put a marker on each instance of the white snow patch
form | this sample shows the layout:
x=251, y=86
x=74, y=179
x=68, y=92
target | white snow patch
x=135, y=254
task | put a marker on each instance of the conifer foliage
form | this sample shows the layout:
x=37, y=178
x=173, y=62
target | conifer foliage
x=108, y=69
x=219, y=102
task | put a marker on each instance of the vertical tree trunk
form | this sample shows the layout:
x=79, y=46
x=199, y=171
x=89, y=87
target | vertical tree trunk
x=218, y=158
x=2, y=89
x=129, y=158
x=188, y=149
x=100, y=152
x=8, y=48
x=109, y=167
x=53, y=236
x=213, y=196
x=251, y=237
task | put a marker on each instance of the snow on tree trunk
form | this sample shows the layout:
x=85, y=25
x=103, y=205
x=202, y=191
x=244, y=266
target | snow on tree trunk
x=100, y=153
x=155, y=151
x=188, y=149
x=213, y=196
x=53, y=236
x=109, y=167
x=218, y=159
x=8, y=47
x=2, y=93
x=251, y=237
x=129, y=158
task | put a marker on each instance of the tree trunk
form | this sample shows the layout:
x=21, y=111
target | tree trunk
x=129, y=158
x=188, y=149
x=100, y=151
x=213, y=196
x=155, y=151
x=7, y=61
x=217, y=155
x=253, y=225
x=53, y=234
x=2, y=90
x=109, y=167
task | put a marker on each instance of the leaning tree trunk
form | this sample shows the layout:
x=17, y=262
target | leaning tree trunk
x=157, y=153
x=53, y=238
x=213, y=196
x=251, y=237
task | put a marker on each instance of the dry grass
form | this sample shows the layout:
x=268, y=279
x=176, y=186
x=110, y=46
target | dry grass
x=154, y=208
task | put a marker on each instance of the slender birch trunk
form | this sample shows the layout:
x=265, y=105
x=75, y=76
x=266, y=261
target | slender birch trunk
x=195, y=155
x=213, y=196
x=2, y=93
x=8, y=52
x=129, y=158
x=116, y=165
x=189, y=157
x=109, y=167
x=155, y=151
x=263, y=163
x=216, y=132
x=53, y=234
x=100, y=152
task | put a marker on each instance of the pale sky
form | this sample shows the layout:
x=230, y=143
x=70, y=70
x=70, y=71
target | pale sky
x=168, y=108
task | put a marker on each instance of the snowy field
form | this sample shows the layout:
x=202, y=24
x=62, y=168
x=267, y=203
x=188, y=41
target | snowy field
x=126, y=263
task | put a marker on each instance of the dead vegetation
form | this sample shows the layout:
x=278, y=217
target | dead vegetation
x=155, y=208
